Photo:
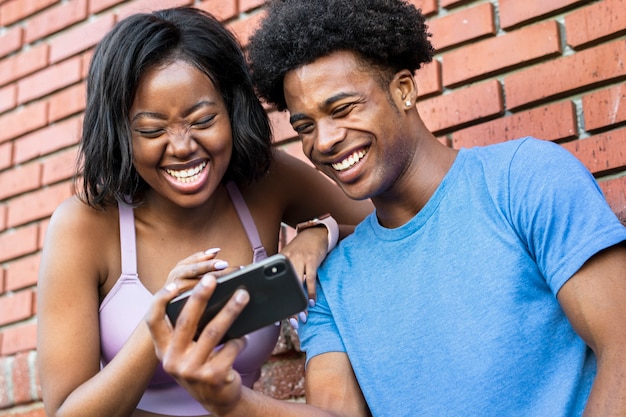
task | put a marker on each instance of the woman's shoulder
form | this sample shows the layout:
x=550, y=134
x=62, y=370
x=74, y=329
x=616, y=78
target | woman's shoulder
x=78, y=217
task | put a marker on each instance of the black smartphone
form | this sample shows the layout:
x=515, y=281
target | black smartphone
x=275, y=294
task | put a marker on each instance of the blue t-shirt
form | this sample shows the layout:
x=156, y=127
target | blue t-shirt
x=455, y=312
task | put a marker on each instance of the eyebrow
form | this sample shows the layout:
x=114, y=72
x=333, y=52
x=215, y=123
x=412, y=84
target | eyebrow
x=154, y=115
x=327, y=103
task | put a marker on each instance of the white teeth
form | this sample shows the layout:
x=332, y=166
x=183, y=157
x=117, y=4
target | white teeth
x=349, y=161
x=187, y=175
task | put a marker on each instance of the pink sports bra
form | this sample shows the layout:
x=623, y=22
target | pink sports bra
x=127, y=302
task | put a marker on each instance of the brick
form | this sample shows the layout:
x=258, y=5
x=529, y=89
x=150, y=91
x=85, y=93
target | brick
x=453, y=3
x=20, y=179
x=283, y=379
x=426, y=6
x=494, y=55
x=6, y=394
x=288, y=339
x=18, y=242
x=584, y=69
x=8, y=97
x=281, y=128
x=55, y=19
x=80, y=38
x=515, y=12
x=18, y=339
x=23, y=120
x=595, y=22
x=551, y=122
x=23, y=63
x=467, y=105
x=6, y=155
x=16, y=306
x=146, y=6
x=35, y=410
x=48, y=140
x=51, y=79
x=601, y=153
x=37, y=204
x=244, y=28
x=24, y=378
x=605, y=108
x=428, y=79
x=67, y=102
x=43, y=228
x=221, y=9
x=86, y=58
x=614, y=190
x=14, y=10
x=96, y=6
x=59, y=167
x=11, y=40
x=462, y=26
x=3, y=222
x=22, y=273
x=247, y=5
x=294, y=148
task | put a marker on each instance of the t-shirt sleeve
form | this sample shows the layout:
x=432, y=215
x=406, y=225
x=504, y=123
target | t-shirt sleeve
x=558, y=210
x=319, y=334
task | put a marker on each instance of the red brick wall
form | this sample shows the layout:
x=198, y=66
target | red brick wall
x=554, y=69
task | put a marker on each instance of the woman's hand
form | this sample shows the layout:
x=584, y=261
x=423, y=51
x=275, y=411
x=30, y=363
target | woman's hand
x=307, y=251
x=203, y=370
x=187, y=272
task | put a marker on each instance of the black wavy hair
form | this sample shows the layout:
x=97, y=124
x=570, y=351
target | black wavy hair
x=388, y=35
x=136, y=45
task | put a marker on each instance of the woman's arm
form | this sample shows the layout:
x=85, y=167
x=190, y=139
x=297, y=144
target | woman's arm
x=73, y=264
x=305, y=193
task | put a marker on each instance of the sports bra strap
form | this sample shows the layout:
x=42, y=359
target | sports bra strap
x=247, y=221
x=127, y=239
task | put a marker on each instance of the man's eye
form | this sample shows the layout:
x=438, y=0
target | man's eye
x=303, y=128
x=342, y=110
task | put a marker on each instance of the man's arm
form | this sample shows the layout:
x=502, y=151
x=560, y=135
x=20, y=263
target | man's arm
x=594, y=300
x=331, y=391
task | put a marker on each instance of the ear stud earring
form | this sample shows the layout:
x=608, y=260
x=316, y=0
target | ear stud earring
x=408, y=103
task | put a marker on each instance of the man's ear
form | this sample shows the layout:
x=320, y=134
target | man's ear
x=404, y=89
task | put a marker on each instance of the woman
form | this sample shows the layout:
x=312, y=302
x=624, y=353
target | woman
x=176, y=164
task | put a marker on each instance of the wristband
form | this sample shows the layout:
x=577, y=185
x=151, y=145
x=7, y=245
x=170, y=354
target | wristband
x=328, y=222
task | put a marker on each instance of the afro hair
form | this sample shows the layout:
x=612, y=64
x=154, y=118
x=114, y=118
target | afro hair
x=390, y=35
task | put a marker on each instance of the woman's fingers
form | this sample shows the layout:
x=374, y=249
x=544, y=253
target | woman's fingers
x=155, y=318
x=215, y=330
x=189, y=270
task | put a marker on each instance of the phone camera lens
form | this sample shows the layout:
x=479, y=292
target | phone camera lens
x=273, y=270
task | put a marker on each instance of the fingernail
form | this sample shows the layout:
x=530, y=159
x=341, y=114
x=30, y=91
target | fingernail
x=219, y=265
x=294, y=323
x=171, y=287
x=212, y=251
x=302, y=316
x=207, y=280
x=241, y=296
x=311, y=302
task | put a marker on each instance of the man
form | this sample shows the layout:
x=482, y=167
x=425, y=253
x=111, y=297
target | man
x=488, y=282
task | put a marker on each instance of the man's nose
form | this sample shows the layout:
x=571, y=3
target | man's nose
x=328, y=135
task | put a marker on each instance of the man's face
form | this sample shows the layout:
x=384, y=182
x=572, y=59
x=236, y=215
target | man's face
x=351, y=128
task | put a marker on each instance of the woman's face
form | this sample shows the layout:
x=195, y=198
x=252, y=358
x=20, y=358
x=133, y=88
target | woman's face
x=181, y=133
